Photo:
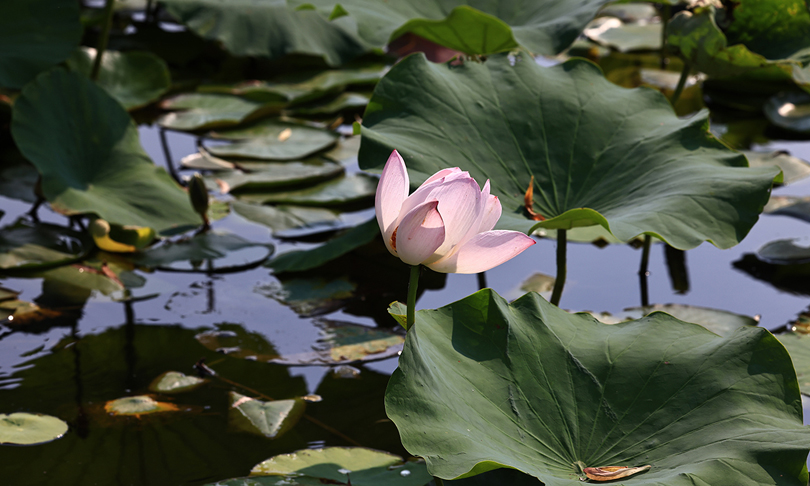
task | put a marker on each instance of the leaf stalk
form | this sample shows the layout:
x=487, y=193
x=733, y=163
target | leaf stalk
x=103, y=39
x=559, y=282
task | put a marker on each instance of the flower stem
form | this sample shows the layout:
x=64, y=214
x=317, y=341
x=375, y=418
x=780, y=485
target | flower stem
x=559, y=282
x=438, y=481
x=102, y=40
x=642, y=271
x=413, y=285
x=681, y=83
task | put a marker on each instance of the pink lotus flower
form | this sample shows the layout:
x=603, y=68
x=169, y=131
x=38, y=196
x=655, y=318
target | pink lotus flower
x=446, y=224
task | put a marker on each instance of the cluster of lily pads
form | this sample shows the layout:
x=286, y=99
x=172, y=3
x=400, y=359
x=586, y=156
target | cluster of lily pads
x=289, y=101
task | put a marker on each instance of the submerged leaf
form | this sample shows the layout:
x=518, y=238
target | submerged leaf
x=28, y=428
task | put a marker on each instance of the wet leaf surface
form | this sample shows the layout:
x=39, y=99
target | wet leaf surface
x=137, y=406
x=28, y=429
x=175, y=382
x=524, y=376
x=270, y=419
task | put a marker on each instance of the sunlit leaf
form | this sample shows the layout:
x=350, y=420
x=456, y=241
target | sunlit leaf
x=87, y=149
x=354, y=189
x=793, y=168
x=234, y=341
x=175, y=382
x=343, y=342
x=134, y=78
x=27, y=428
x=789, y=110
x=20, y=313
x=612, y=32
x=484, y=384
x=35, y=35
x=270, y=419
x=137, y=406
x=599, y=154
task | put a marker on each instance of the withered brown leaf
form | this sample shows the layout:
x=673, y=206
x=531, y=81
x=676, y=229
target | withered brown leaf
x=610, y=473
x=528, y=202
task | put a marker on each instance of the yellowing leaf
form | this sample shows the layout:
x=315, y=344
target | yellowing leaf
x=611, y=473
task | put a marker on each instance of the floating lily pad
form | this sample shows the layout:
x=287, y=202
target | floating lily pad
x=790, y=278
x=623, y=176
x=797, y=207
x=269, y=419
x=29, y=429
x=612, y=32
x=790, y=110
x=268, y=28
x=531, y=387
x=786, y=252
x=229, y=251
x=271, y=175
x=28, y=246
x=201, y=111
x=538, y=282
x=283, y=218
x=311, y=296
x=352, y=239
x=799, y=348
x=720, y=322
x=86, y=147
x=35, y=35
x=175, y=382
x=137, y=406
x=274, y=140
x=543, y=27
x=793, y=168
x=354, y=189
x=235, y=341
x=342, y=102
x=19, y=313
x=339, y=465
x=303, y=87
x=134, y=78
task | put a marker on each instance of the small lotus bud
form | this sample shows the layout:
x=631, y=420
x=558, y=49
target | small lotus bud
x=199, y=195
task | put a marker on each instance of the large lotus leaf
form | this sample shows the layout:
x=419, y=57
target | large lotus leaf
x=268, y=28
x=199, y=111
x=354, y=189
x=798, y=345
x=297, y=261
x=134, y=78
x=483, y=384
x=470, y=26
x=35, y=35
x=793, y=168
x=87, y=149
x=283, y=218
x=793, y=278
x=599, y=154
x=777, y=29
x=720, y=322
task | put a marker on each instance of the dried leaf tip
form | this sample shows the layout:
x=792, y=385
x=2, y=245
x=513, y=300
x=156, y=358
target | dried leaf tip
x=528, y=202
x=611, y=473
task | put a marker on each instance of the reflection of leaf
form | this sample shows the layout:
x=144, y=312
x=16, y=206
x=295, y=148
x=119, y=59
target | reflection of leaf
x=354, y=189
x=35, y=246
x=365, y=467
x=528, y=386
x=36, y=34
x=269, y=419
x=133, y=78
x=234, y=340
x=527, y=120
x=28, y=429
x=311, y=296
x=88, y=152
x=233, y=250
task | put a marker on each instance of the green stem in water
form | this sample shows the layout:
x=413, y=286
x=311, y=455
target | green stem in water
x=681, y=83
x=413, y=285
x=642, y=271
x=103, y=38
x=559, y=282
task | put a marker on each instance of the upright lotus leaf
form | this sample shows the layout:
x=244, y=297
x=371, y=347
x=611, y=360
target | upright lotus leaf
x=470, y=26
x=483, y=384
x=268, y=28
x=87, y=149
x=35, y=35
x=599, y=154
x=27, y=428
x=133, y=78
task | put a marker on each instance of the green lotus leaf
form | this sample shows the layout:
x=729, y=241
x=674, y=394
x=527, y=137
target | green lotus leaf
x=18, y=178
x=543, y=27
x=135, y=78
x=796, y=207
x=175, y=382
x=28, y=428
x=337, y=465
x=270, y=419
x=723, y=323
x=354, y=189
x=342, y=102
x=303, y=87
x=35, y=35
x=268, y=28
x=786, y=252
x=201, y=111
x=484, y=384
x=798, y=345
x=599, y=154
x=26, y=246
x=274, y=140
x=222, y=251
x=777, y=29
x=137, y=406
x=793, y=168
x=789, y=110
x=612, y=32
x=87, y=149
x=272, y=175
x=285, y=218
x=297, y=261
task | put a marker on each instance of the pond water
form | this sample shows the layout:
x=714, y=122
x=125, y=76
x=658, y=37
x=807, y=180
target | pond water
x=108, y=348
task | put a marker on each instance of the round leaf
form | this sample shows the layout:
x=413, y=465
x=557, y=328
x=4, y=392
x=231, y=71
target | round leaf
x=274, y=140
x=786, y=252
x=42, y=245
x=599, y=154
x=484, y=384
x=28, y=428
x=89, y=154
x=137, y=406
x=175, y=382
